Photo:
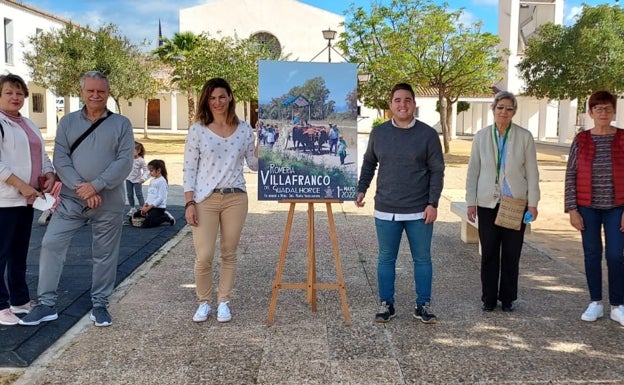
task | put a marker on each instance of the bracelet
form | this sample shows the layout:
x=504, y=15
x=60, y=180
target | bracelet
x=189, y=204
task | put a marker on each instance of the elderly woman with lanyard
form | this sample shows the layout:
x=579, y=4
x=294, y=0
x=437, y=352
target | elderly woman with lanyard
x=503, y=162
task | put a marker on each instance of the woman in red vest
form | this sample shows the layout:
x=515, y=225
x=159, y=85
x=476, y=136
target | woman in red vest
x=594, y=199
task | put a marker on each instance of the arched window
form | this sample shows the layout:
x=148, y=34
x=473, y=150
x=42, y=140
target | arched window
x=270, y=42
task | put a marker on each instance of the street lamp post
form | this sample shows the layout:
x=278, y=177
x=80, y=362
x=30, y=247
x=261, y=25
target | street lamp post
x=329, y=35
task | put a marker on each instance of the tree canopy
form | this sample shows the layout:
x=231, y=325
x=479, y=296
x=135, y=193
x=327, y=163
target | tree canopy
x=194, y=59
x=59, y=58
x=569, y=62
x=314, y=91
x=423, y=44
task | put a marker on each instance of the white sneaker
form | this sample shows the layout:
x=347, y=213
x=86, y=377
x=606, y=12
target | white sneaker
x=131, y=212
x=171, y=218
x=617, y=314
x=223, y=312
x=202, y=313
x=594, y=311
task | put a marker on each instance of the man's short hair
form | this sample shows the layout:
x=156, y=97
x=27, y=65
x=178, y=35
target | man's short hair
x=402, y=86
x=94, y=75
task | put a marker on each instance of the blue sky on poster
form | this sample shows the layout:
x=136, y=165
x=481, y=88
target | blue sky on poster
x=138, y=19
x=277, y=78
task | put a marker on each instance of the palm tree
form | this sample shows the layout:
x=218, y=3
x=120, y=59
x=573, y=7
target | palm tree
x=175, y=53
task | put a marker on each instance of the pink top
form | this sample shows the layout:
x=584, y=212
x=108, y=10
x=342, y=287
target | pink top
x=35, y=150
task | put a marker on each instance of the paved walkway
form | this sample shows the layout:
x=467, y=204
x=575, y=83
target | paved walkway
x=22, y=345
x=154, y=341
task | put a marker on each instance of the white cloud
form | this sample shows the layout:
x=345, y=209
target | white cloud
x=572, y=14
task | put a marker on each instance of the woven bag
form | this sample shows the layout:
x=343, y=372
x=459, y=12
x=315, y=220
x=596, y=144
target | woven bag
x=510, y=212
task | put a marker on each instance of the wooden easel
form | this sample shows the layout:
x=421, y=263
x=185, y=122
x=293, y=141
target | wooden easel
x=311, y=286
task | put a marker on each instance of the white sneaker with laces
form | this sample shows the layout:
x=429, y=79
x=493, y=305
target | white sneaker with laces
x=594, y=311
x=617, y=314
x=202, y=313
x=223, y=312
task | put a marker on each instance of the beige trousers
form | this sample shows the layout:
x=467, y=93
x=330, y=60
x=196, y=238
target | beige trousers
x=224, y=214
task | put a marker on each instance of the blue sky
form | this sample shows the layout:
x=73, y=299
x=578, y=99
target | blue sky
x=138, y=19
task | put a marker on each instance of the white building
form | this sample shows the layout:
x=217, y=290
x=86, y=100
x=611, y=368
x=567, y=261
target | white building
x=518, y=20
x=296, y=26
x=19, y=23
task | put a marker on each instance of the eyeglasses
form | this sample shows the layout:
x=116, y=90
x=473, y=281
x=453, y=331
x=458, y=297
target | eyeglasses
x=506, y=108
x=600, y=110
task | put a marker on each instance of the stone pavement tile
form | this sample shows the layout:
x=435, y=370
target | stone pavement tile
x=367, y=372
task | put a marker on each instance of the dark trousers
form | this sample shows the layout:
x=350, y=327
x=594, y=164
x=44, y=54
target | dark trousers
x=154, y=217
x=14, y=239
x=500, y=257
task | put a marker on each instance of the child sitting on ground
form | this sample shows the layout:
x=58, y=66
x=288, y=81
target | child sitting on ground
x=154, y=208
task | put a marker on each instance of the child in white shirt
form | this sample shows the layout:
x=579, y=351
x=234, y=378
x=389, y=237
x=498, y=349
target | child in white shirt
x=138, y=175
x=154, y=208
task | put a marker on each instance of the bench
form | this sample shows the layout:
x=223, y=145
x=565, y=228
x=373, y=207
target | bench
x=469, y=231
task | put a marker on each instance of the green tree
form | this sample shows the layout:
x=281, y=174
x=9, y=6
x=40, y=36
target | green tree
x=197, y=58
x=570, y=62
x=59, y=58
x=177, y=53
x=426, y=45
x=154, y=77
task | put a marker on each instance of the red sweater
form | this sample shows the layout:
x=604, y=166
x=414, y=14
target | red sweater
x=586, y=153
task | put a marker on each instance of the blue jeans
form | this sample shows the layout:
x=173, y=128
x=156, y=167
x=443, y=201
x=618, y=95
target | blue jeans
x=419, y=235
x=133, y=189
x=594, y=220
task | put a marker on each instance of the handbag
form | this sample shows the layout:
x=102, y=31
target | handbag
x=510, y=212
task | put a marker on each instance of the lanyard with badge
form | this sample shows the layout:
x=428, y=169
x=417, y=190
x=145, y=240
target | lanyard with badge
x=499, y=161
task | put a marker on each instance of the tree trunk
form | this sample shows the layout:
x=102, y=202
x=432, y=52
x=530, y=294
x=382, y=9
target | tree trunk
x=191, y=106
x=444, y=125
x=145, y=120
x=118, y=106
x=449, y=124
x=245, y=111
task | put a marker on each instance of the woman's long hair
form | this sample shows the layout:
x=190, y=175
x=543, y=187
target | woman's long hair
x=158, y=164
x=204, y=115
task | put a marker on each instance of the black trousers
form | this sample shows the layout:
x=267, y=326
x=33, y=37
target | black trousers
x=500, y=257
x=154, y=217
x=14, y=240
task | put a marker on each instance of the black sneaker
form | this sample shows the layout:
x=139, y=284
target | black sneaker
x=386, y=312
x=509, y=307
x=100, y=316
x=424, y=314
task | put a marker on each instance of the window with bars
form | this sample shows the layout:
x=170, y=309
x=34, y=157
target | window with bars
x=37, y=102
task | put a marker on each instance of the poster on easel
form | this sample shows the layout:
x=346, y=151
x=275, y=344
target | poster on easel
x=307, y=129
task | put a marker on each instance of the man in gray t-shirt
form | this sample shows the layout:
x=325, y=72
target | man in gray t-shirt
x=93, y=173
x=409, y=184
